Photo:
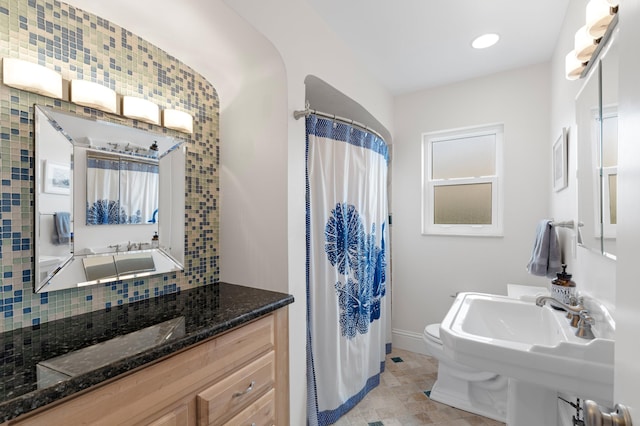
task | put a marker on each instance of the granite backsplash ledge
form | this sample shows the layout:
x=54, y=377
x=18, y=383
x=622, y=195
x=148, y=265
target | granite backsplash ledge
x=203, y=312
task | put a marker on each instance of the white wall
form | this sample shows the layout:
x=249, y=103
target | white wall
x=427, y=270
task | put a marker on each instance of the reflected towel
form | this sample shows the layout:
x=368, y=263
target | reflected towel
x=62, y=222
x=545, y=258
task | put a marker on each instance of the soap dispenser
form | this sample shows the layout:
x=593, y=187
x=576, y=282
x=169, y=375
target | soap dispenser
x=155, y=240
x=563, y=288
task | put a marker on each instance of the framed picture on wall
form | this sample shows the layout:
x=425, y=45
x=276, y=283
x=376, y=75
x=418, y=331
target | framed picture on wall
x=57, y=178
x=560, y=161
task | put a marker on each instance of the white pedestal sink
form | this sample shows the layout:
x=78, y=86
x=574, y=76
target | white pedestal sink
x=535, y=347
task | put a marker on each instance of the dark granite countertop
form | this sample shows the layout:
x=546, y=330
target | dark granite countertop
x=202, y=312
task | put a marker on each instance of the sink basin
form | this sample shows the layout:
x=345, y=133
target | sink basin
x=533, y=344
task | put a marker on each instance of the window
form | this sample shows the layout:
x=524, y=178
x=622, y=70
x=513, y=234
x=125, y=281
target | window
x=461, y=172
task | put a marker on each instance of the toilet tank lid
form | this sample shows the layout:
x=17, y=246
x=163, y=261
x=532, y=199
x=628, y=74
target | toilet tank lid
x=433, y=330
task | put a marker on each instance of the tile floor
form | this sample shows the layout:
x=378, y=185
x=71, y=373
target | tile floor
x=400, y=398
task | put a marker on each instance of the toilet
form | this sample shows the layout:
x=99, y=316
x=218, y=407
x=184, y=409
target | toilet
x=463, y=387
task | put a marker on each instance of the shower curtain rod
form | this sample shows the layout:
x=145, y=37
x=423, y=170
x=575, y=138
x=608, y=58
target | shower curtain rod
x=307, y=111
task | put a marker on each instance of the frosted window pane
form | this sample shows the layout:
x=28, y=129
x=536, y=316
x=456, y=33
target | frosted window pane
x=464, y=157
x=613, y=199
x=462, y=204
x=610, y=141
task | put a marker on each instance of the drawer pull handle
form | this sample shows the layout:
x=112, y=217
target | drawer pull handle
x=246, y=391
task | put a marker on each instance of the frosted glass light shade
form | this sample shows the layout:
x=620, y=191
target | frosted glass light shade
x=584, y=45
x=31, y=77
x=573, y=67
x=598, y=17
x=177, y=120
x=93, y=95
x=140, y=109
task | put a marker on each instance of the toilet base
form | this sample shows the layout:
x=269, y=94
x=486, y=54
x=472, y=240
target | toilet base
x=486, y=398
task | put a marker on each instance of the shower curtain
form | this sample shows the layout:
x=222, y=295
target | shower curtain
x=348, y=300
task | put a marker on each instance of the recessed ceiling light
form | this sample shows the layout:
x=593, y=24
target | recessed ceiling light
x=485, y=40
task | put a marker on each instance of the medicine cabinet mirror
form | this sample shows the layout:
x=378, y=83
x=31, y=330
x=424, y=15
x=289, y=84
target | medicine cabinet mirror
x=597, y=125
x=109, y=201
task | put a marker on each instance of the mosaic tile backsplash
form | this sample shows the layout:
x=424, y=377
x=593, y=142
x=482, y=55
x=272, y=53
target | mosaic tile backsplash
x=80, y=45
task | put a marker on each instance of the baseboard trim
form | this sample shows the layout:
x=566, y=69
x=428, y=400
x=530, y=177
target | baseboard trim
x=408, y=340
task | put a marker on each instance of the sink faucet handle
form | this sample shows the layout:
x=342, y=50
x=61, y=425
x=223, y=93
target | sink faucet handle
x=584, y=325
x=585, y=317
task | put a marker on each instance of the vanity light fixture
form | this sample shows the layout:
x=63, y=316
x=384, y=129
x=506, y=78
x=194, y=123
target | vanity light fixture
x=573, y=66
x=599, y=15
x=31, y=77
x=94, y=95
x=584, y=44
x=484, y=41
x=140, y=109
x=177, y=120
x=600, y=20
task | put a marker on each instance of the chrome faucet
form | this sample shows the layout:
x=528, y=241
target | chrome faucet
x=540, y=301
x=585, y=322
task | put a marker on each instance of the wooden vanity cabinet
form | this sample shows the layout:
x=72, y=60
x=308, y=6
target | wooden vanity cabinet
x=237, y=378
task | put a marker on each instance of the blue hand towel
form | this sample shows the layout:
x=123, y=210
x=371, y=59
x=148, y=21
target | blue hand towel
x=545, y=258
x=62, y=222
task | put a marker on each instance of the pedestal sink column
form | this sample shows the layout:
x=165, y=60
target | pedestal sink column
x=531, y=405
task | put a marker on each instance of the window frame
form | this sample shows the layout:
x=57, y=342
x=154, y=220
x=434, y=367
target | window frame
x=495, y=229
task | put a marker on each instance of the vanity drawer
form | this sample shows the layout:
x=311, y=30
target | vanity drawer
x=227, y=397
x=260, y=413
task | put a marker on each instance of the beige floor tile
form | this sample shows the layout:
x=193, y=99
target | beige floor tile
x=400, y=398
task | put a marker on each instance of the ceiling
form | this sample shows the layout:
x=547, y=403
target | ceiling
x=416, y=44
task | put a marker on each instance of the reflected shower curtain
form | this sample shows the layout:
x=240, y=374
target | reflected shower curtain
x=103, y=191
x=121, y=191
x=139, y=191
x=348, y=294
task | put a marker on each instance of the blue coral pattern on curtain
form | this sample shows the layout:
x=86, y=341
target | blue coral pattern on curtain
x=348, y=309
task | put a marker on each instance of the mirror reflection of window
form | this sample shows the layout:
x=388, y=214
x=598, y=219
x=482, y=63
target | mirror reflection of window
x=613, y=198
x=609, y=171
x=609, y=137
x=121, y=191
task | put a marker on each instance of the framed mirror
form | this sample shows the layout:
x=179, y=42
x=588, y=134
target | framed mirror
x=597, y=126
x=109, y=201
